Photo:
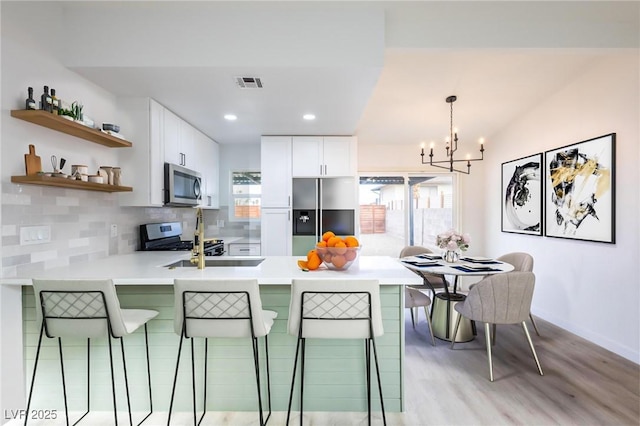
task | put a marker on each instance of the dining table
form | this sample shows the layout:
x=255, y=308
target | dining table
x=442, y=310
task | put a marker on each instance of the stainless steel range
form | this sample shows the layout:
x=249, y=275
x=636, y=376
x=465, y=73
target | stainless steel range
x=167, y=236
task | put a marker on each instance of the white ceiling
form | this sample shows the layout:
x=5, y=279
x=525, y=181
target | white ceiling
x=380, y=70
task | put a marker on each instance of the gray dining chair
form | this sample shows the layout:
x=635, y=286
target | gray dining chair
x=500, y=299
x=430, y=281
x=522, y=262
x=413, y=299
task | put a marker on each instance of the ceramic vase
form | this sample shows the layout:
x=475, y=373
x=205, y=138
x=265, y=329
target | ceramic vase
x=117, y=176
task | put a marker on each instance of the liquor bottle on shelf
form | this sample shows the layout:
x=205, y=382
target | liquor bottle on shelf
x=30, y=103
x=45, y=100
x=55, y=102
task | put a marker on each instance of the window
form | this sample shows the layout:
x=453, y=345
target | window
x=246, y=193
x=403, y=209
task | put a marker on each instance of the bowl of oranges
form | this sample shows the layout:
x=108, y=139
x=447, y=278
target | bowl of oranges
x=337, y=252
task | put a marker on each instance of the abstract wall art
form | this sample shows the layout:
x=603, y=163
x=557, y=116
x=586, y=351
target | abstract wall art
x=522, y=195
x=580, y=190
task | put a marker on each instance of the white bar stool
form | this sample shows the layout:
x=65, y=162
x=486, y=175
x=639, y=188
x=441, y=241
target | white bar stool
x=324, y=309
x=221, y=308
x=87, y=309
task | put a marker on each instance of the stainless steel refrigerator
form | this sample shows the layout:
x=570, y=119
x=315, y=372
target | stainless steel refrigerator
x=321, y=205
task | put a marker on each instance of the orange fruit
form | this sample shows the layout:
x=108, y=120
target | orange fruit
x=340, y=248
x=350, y=255
x=327, y=257
x=331, y=242
x=314, y=262
x=311, y=253
x=321, y=244
x=327, y=235
x=351, y=241
x=338, y=260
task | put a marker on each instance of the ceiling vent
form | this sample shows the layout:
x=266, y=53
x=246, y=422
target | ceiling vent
x=249, y=82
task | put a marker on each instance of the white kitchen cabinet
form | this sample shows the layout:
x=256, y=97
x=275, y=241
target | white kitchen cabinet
x=244, y=249
x=171, y=130
x=339, y=156
x=323, y=156
x=142, y=165
x=275, y=238
x=209, y=155
x=189, y=146
x=306, y=156
x=275, y=171
x=161, y=136
x=180, y=142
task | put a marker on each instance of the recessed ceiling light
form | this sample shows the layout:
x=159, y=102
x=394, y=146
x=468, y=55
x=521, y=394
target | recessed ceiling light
x=309, y=117
x=230, y=117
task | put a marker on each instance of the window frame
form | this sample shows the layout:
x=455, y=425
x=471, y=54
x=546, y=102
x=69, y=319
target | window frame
x=233, y=197
x=406, y=175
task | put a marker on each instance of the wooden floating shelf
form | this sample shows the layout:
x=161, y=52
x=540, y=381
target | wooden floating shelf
x=68, y=183
x=56, y=122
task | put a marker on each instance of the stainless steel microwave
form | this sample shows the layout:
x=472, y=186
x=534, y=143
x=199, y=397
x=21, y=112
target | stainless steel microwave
x=182, y=186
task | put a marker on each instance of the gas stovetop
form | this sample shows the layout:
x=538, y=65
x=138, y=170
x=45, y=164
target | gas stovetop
x=167, y=237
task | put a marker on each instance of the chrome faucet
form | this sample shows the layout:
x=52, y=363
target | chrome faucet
x=197, y=251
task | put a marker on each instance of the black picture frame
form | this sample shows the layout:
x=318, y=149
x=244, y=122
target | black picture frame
x=580, y=190
x=522, y=195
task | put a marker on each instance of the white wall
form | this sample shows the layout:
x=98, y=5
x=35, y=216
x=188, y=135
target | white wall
x=590, y=289
x=23, y=67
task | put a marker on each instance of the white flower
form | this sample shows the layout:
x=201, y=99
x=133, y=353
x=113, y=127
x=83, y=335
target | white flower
x=453, y=240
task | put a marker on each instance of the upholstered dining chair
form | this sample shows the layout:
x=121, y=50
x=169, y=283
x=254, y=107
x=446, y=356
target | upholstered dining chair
x=522, y=262
x=221, y=308
x=413, y=299
x=430, y=281
x=87, y=309
x=500, y=299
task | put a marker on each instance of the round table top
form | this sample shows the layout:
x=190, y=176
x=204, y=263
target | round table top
x=467, y=265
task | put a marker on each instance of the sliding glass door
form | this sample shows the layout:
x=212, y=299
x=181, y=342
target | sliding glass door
x=402, y=209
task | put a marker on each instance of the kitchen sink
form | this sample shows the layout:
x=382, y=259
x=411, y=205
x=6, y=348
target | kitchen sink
x=217, y=263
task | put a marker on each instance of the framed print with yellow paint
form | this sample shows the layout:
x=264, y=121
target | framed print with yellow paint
x=522, y=195
x=580, y=190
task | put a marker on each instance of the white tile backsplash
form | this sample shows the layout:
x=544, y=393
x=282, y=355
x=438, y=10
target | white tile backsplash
x=80, y=222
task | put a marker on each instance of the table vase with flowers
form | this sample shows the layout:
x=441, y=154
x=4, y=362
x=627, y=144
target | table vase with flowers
x=453, y=242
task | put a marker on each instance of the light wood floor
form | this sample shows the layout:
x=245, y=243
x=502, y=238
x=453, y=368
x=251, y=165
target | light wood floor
x=583, y=384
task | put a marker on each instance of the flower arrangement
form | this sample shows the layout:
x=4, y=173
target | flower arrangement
x=453, y=240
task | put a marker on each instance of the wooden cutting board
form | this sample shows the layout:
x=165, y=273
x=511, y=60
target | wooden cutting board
x=32, y=162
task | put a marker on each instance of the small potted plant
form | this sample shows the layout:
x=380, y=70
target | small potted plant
x=77, y=111
x=73, y=112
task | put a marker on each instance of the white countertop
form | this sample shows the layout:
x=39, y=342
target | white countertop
x=147, y=268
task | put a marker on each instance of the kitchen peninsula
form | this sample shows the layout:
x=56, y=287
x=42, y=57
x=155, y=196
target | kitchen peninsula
x=334, y=379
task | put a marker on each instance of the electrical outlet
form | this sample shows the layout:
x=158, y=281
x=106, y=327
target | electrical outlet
x=35, y=235
x=114, y=230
